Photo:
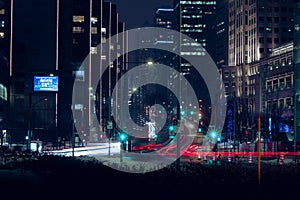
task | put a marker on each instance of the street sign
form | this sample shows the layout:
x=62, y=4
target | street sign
x=109, y=125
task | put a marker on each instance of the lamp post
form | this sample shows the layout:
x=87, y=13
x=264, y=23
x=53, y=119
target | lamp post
x=73, y=135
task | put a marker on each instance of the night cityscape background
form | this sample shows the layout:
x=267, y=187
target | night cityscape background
x=54, y=121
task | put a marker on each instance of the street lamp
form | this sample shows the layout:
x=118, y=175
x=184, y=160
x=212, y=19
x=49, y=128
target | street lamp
x=150, y=63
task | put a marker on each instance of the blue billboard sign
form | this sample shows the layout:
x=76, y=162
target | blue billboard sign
x=45, y=83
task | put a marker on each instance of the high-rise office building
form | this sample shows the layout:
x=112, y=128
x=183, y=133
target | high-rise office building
x=194, y=22
x=296, y=55
x=164, y=18
x=93, y=23
x=53, y=38
x=255, y=28
x=217, y=44
x=34, y=52
x=4, y=67
x=4, y=80
x=4, y=28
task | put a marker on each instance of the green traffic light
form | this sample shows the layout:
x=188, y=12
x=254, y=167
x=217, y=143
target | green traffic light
x=123, y=136
x=171, y=128
x=213, y=134
x=199, y=130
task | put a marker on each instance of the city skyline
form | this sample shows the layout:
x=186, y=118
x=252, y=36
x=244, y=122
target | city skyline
x=141, y=12
x=197, y=19
x=197, y=98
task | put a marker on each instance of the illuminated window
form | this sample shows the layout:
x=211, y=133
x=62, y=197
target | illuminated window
x=226, y=73
x=103, y=31
x=268, y=30
x=2, y=11
x=94, y=30
x=233, y=74
x=1, y=35
x=93, y=50
x=3, y=92
x=78, y=29
x=94, y=20
x=79, y=19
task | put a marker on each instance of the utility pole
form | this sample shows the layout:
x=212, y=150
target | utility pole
x=29, y=122
x=180, y=93
x=258, y=150
x=72, y=133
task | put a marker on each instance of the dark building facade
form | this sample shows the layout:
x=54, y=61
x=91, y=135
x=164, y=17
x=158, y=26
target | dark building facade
x=194, y=22
x=270, y=93
x=255, y=29
x=5, y=28
x=217, y=44
x=53, y=38
x=34, y=52
x=296, y=54
x=4, y=68
x=4, y=89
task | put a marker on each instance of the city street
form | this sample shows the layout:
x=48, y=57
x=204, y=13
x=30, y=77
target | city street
x=150, y=99
x=95, y=149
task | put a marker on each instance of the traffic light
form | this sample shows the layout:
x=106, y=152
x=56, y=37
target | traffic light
x=123, y=137
x=213, y=135
x=199, y=116
x=182, y=113
x=171, y=131
x=199, y=130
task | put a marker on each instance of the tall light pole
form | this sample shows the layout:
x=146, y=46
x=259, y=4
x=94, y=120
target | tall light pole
x=73, y=134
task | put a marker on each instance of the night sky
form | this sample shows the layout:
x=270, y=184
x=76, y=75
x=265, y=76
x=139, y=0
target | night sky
x=136, y=12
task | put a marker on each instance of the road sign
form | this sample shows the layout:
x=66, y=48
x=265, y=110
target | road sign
x=109, y=125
